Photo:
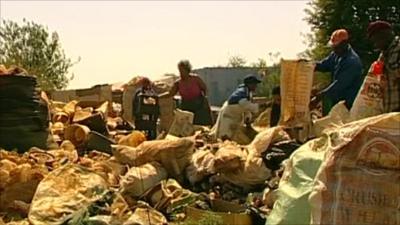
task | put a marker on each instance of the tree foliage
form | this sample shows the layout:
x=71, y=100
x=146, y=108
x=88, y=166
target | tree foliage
x=270, y=74
x=31, y=47
x=237, y=61
x=325, y=16
x=270, y=80
x=260, y=63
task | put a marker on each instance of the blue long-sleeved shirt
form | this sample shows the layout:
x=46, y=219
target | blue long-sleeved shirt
x=346, y=72
x=241, y=92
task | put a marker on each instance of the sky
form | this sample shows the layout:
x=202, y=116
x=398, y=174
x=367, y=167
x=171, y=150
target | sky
x=117, y=40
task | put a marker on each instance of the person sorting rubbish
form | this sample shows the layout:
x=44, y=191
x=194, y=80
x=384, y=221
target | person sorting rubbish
x=382, y=35
x=275, y=107
x=236, y=112
x=346, y=72
x=193, y=91
x=146, y=108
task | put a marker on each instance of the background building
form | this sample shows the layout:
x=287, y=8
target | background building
x=222, y=81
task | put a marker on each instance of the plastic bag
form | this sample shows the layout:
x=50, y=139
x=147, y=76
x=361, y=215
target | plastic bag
x=139, y=179
x=291, y=206
x=229, y=158
x=201, y=165
x=133, y=139
x=145, y=215
x=253, y=171
x=338, y=116
x=19, y=178
x=63, y=192
x=182, y=126
x=174, y=155
x=169, y=197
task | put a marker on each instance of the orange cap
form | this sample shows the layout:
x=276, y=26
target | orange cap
x=338, y=36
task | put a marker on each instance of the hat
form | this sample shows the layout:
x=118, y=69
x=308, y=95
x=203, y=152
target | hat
x=377, y=26
x=337, y=37
x=251, y=79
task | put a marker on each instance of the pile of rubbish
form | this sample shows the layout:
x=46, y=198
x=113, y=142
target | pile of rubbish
x=96, y=169
x=139, y=181
x=13, y=70
x=23, y=111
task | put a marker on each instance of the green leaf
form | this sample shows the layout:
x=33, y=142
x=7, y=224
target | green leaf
x=30, y=45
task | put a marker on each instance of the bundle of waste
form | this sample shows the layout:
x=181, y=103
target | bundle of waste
x=23, y=111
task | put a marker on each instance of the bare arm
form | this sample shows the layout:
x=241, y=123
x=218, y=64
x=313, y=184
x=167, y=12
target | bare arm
x=171, y=93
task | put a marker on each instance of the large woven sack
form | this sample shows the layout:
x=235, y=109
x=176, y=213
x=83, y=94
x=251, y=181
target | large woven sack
x=174, y=155
x=201, y=165
x=167, y=106
x=369, y=101
x=127, y=102
x=19, y=178
x=253, y=171
x=263, y=120
x=265, y=138
x=139, y=179
x=182, y=125
x=291, y=206
x=230, y=157
x=63, y=192
x=133, y=139
x=342, y=176
x=168, y=197
x=359, y=179
x=19, y=222
x=145, y=215
x=296, y=84
x=338, y=116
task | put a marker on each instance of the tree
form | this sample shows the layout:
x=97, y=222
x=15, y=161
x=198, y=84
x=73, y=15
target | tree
x=270, y=80
x=31, y=47
x=271, y=74
x=274, y=58
x=260, y=63
x=236, y=61
x=325, y=16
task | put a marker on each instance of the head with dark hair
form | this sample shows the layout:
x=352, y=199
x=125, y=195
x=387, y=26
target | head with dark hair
x=276, y=90
x=276, y=95
x=145, y=83
x=380, y=33
x=184, y=67
x=251, y=81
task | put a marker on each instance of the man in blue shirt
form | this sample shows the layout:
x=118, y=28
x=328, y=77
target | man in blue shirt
x=237, y=111
x=346, y=70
